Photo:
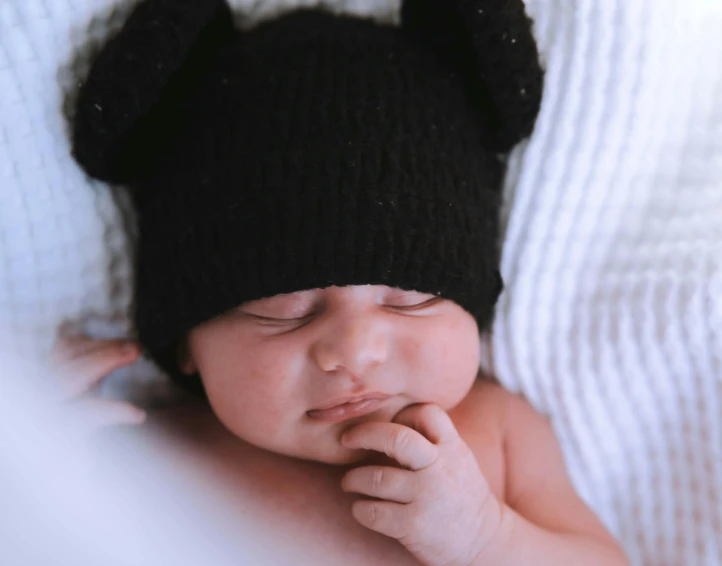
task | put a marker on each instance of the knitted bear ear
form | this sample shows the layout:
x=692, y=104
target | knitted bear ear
x=492, y=43
x=132, y=100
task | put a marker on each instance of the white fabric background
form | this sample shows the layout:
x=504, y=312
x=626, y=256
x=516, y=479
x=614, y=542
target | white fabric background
x=612, y=320
x=612, y=323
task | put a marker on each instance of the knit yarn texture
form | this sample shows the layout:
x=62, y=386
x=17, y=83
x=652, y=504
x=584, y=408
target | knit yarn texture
x=313, y=150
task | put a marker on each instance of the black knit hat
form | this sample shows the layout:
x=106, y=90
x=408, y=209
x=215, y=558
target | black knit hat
x=312, y=150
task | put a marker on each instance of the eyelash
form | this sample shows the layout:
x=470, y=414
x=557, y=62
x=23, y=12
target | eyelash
x=417, y=306
x=277, y=321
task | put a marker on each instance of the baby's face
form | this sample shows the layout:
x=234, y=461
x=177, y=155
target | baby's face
x=292, y=372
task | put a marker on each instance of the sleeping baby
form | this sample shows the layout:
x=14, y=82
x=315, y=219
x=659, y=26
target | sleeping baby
x=317, y=200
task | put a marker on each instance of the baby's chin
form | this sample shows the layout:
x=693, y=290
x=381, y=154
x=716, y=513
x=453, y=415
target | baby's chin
x=340, y=457
x=330, y=453
x=344, y=457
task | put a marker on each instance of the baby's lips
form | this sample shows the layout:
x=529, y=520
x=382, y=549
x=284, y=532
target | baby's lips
x=346, y=411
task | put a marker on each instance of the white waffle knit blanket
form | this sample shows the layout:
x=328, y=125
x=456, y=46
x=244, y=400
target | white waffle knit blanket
x=612, y=323
x=612, y=320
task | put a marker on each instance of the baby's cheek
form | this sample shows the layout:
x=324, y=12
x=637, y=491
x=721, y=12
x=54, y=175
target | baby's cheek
x=255, y=402
x=451, y=362
x=249, y=416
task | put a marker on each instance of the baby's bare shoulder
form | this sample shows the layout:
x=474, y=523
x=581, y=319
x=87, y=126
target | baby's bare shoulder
x=514, y=422
x=481, y=420
x=487, y=407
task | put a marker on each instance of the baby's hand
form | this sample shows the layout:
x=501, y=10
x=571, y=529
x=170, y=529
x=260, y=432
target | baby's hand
x=81, y=363
x=440, y=508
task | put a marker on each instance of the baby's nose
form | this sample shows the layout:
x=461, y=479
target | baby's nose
x=356, y=346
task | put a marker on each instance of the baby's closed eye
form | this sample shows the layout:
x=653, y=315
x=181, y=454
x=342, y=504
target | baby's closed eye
x=410, y=300
x=292, y=306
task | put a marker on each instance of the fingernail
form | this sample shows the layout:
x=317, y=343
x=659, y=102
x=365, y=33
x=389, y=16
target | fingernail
x=129, y=349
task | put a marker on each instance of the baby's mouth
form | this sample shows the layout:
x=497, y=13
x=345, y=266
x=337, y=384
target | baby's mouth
x=348, y=409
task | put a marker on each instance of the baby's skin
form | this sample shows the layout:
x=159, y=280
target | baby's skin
x=381, y=385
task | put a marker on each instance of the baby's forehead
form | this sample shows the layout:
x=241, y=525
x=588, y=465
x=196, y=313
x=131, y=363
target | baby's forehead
x=340, y=291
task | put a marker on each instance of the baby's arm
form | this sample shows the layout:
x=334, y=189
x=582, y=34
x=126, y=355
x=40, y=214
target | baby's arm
x=544, y=521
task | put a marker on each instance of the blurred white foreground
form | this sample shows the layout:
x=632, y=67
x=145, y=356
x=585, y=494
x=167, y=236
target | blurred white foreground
x=64, y=503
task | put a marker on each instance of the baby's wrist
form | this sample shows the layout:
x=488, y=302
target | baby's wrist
x=499, y=544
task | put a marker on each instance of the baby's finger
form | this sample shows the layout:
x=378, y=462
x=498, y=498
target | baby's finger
x=84, y=372
x=98, y=413
x=430, y=420
x=382, y=482
x=390, y=519
x=68, y=348
x=405, y=445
